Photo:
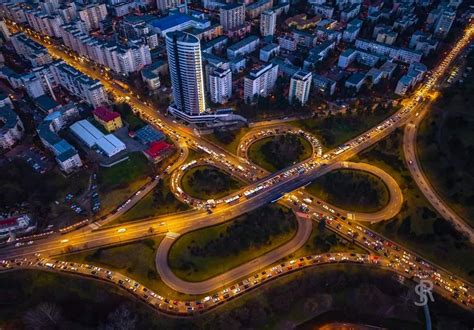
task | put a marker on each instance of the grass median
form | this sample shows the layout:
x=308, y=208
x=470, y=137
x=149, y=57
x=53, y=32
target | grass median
x=135, y=260
x=351, y=190
x=205, y=253
x=334, y=130
x=229, y=140
x=277, y=152
x=160, y=201
x=208, y=182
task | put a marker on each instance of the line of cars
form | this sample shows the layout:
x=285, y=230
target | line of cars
x=179, y=307
x=399, y=259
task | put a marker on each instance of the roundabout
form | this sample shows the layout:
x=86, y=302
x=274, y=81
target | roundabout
x=283, y=141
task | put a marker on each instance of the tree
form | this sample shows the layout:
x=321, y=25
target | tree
x=44, y=316
x=121, y=319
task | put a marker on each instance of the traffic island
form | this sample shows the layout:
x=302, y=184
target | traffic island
x=206, y=253
x=277, y=152
x=352, y=190
x=206, y=182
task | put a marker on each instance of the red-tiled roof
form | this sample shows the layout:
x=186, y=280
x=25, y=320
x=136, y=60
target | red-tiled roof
x=105, y=114
x=157, y=148
x=8, y=222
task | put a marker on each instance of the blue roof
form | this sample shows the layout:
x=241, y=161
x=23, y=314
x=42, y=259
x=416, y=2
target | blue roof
x=67, y=154
x=169, y=21
x=356, y=78
x=62, y=146
x=148, y=134
x=45, y=102
x=53, y=115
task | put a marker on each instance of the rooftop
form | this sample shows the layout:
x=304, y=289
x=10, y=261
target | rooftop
x=356, y=78
x=243, y=42
x=105, y=114
x=8, y=117
x=46, y=103
x=157, y=148
x=169, y=21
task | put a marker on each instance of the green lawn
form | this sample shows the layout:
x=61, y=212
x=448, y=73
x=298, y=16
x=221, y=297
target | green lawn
x=322, y=240
x=418, y=226
x=351, y=190
x=207, y=252
x=160, y=201
x=337, y=129
x=446, y=144
x=279, y=154
x=124, y=173
x=136, y=260
x=208, y=182
x=228, y=140
x=118, y=182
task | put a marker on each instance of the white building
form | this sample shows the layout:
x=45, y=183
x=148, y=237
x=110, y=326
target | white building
x=185, y=65
x=66, y=155
x=78, y=84
x=269, y=51
x=287, y=42
x=92, y=15
x=444, y=23
x=268, y=23
x=323, y=10
x=4, y=30
x=108, y=144
x=17, y=224
x=352, y=30
x=324, y=85
x=260, y=82
x=68, y=12
x=400, y=54
x=33, y=85
x=243, y=47
x=232, y=16
x=220, y=85
x=12, y=129
x=123, y=59
x=32, y=51
x=44, y=23
x=300, y=86
x=415, y=73
x=165, y=5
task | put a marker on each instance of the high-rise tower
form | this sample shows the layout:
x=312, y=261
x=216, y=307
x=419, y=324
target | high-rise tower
x=184, y=60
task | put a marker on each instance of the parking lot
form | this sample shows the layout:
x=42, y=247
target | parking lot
x=33, y=156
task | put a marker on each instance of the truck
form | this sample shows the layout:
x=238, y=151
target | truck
x=232, y=199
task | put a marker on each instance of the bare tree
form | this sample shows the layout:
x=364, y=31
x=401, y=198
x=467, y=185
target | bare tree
x=121, y=319
x=46, y=315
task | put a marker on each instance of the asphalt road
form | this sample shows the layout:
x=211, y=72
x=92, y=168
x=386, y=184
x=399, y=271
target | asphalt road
x=216, y=282
x=409, y=149
x=304, y=230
